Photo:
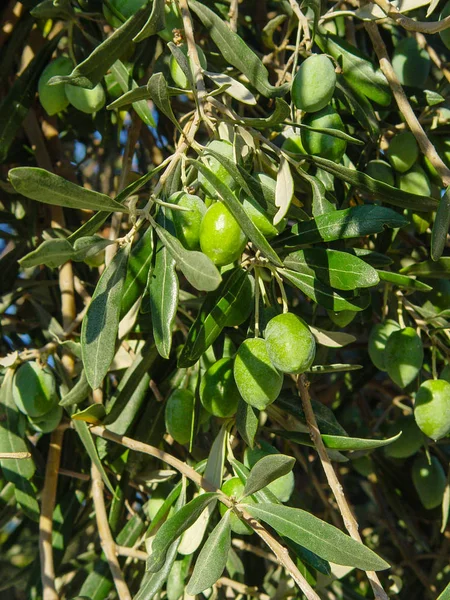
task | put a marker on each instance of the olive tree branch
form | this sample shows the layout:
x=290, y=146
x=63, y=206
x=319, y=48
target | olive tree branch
x=410, y=24
x=280, y=552
x=404, y=106
x=349, y=520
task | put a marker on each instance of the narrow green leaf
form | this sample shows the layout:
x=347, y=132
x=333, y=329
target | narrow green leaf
x=339, y=270
x=183, y=63
x=78, y=393
x=43, y=186
x=163, y=291
x=270, y=28
x=216, y=310
x=25, y=493
x=51, y=253
x=445, y=594
x=318, y=536
x=352, y=222
x=175, y=526
x=93, y=414
x=137, y=271
x=159, y=93
x=323, y=294
x=359, y=106
x=234, y=88
x=156, y=22
x=135, y=186
x=198, y=268
x=236, y=52
x=86, y=439
x=135, y=95
x=91, y=71
x=315, y=6
x=235, y=207
x=376, y=259
x=375, y=188
x=284, y=191
x=279, y=115
x=246, y=422
x=435, y=269
x=101, y=322
x=408, y=283
x=121, y=75
x=440, y=226
x=334, y=368
x=88, y=246
x=326, y=419
x=266, y=470
x=337, y=442
x=213, y=557
x=337, y=133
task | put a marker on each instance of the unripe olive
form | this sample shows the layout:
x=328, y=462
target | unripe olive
x=403, y=151
x=290, y=344
x=127, y=8
x=381, y=171
x=221, y=237
x=415, y=181
x=429, y=481
x=342, y=318
x=294, y=144
x=321, y=144
x=404, y=356
x=187, y=223
x=409, y=442
x=411, y=63
x=260, y=218
x=88, y=101
x=226, y=149
x=176, y=72
x=432, y=408
x=258, y=381
x=34, y=389
x=282, y=487
x=234, y=488
x=445, y=33
x=218, y=391
x=179, y=415
x=378, y=337
x=314, y=83
x=53, y=98
x=48, y=422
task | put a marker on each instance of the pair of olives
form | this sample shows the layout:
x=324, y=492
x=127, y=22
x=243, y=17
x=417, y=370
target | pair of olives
x=397, y=351
x=55, y=98
x=34, y=393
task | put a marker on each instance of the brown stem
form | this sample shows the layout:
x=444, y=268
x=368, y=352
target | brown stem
x=48, y=498
x=411, y=24
x=349, y=520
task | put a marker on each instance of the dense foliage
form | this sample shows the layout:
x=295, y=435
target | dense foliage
x=225, y=299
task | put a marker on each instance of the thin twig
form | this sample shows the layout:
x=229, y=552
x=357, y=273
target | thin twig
x=16, y=455
x=349, y=520
x=233, y=13
x=131, y=552
x=48, y=498
x=411, y=24
x=104, y=532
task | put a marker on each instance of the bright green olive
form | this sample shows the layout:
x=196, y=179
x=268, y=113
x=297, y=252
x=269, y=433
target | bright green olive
x=221, y=237
x=258, y=381
x=342, y=318
x=53, y=98
x=403, y=151
x=34, y=389
x=411, y=63
x=218, y=391
x=282, y=487
x=381, y=171
x=260, y=218
x=408, y=443
x=47, y=422
x=179, y=415
x=415, y=181
x=404, y=356
x=378, y=337
x=321, y=144
x=432, y=408
x=445, y=33
x=176, y=72
x=429, y=481
x=314, y=83
x=234, y=488
x=88, y=101
x=127, y=8
x=290, y=344
x=225, y=149
x=294, y=144
x=187, y=223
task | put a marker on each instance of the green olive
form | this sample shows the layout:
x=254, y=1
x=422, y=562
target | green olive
x=321, y=144
x=53, y=98
x=432, y=408
x=314, y=83
x=260, y=218
x=429, y=481
x=381, y=171
x=342, y=318
x=234, y=488
x=127, y=8
x=403, y=151
x=179, y=415
x=221, y=237
x=415, y=181
x=47, y=422
x=187, y=223
x=225, y=149
x=290, y=344
x=378, y=337
x=258, y=381
x=404, y=356
x=282, y=487
x=88, y=101
x=173, y=21
x=34, y=389
x=176, y=72
x=294, y=144
x=218, y=391
x=411, y=63
x=408, y=443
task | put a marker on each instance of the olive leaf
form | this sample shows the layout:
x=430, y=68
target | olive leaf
x=159, y=93
x=284, y=190
x=156, y=22
x=137, y=271
x=78, y=393
x=435, y=269
x=246, y=422
x=403, y=281
x=122, y=76
x=280, y=114
x=440, y=226
x=234, y=88
x=337, y=442
x=266, y=470
x=51, y=253
x=326, y=419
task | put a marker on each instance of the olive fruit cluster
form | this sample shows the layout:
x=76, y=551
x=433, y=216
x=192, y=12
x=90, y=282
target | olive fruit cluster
x=397, y=351
x=34, y=393
x=55, y=98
